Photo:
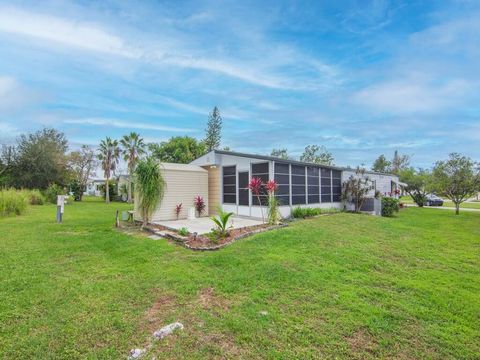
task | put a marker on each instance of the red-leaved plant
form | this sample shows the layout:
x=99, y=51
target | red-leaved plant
x=178, y=209
x=255, y=185
x=271, y=186
x=199, y=204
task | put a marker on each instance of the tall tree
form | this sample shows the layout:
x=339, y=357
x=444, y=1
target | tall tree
x=381, y=164
x=82, y=164
x=40, y=159
x=108, y=154
x=280, y=153
x=178, y=149
x=418, y=184
x=317, y=155
x=457, y=178
x=399, y=162
x=213, y=132
x=133, y=147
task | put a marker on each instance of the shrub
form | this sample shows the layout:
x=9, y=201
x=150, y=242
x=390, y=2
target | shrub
x=183, y=231
x=221, y=222
x=150, y=187
x=112, y=189
x=390, y=206
x=301, y=213
x=35, y=197
x=77, y=190
x=52, y=191
x=199, y=204
x=13, y=202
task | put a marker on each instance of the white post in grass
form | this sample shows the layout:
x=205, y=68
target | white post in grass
x=60, y=207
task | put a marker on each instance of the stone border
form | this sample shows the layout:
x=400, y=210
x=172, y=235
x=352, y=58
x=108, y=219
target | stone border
x=182, y=240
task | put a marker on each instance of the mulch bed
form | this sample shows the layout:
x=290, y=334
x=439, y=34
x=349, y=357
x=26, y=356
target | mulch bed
x=203, y=242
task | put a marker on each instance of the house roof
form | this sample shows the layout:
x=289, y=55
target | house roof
x=277, y=159
x=181, y=167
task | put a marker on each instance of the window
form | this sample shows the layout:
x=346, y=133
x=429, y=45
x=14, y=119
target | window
x=313, y=182
x=229, y=185
x=326, y=185
x=243, y=188
x=298, y=185
x=260, y=170
x=336, y=185
x=282, y=177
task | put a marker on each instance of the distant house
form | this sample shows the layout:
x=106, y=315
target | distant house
x=221, y=178
x=94, y=186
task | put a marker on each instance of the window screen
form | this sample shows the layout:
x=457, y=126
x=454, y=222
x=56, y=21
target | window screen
x=243, y=188
x=326, y=185
x=260, y=170
x=336, y=185
x=298, y=185
x=313, y=182
x=282, y=177
x=229, y=185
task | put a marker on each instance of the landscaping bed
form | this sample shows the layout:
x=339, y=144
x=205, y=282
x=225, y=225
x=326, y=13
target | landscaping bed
x=209, y=241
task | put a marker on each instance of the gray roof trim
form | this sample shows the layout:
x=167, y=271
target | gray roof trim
x=295, y=162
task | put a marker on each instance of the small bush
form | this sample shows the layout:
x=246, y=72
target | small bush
x=390, y=206
x=301, y=213
x=35, y=197
x=112, y=190
x=52, y=191
x=13, y=202
x=183, y=231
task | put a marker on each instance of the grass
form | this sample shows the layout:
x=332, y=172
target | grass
x=342, y=286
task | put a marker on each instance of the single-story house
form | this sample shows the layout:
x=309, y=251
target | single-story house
x=94, y=186
x=221, y=178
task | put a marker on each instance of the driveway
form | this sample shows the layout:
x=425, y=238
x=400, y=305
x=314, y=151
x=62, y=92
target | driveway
x=204, y=225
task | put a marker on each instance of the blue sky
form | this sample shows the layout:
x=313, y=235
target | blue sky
x=362, y=78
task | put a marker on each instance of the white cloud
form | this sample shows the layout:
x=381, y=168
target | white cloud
x=52, y=30
x=71, y=33
x=414, y=94
x=125, y=124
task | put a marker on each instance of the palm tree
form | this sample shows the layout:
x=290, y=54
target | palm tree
x=133, y=148
x=108, y=154
x=149, y=186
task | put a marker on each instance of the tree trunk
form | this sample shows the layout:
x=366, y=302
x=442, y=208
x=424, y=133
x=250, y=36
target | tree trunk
x=107, y=191
x=130, y=189
x=457, y=208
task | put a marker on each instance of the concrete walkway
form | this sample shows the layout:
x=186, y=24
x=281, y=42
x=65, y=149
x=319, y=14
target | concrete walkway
x=204, y=225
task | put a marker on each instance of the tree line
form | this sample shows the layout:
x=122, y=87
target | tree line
x=41, y=159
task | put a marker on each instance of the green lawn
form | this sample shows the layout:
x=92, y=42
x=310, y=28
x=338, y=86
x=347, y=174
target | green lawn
x=338, y=286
